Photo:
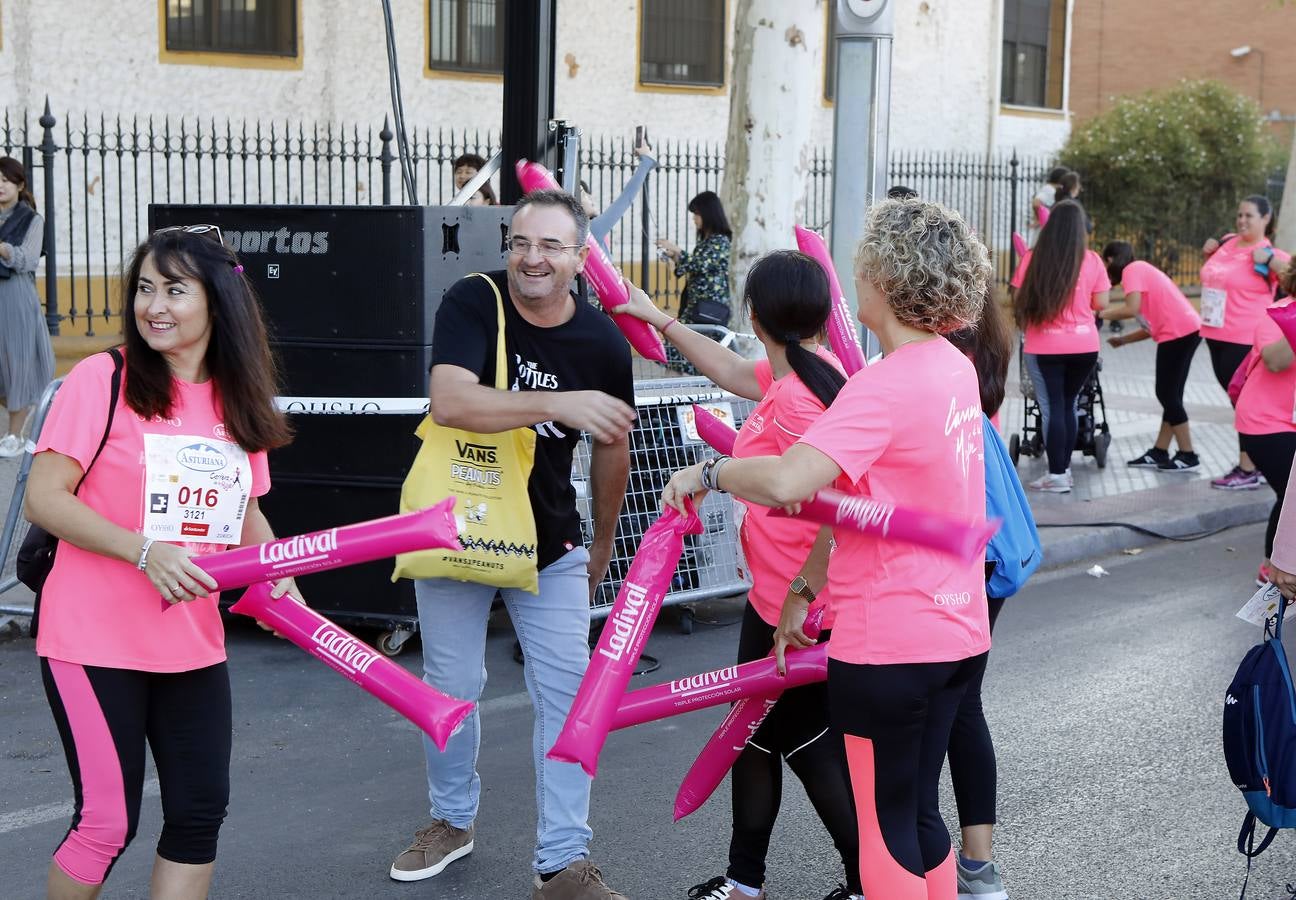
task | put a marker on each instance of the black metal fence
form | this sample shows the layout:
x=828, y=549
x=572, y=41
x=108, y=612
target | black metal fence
x=95, y=177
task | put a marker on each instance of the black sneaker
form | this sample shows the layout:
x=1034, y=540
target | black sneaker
x=1180, y=462
x=1151, y=459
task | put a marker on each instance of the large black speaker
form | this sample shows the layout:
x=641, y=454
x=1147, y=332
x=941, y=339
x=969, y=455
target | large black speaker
x=353, y=274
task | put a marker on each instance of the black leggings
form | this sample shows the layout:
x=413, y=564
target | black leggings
x=1173, y=360
x=1272, y=454
x=896, y=720
x=1064, y=375
x=1225, y=358
x=795, y=730
x=104, y=718
x=971, y=751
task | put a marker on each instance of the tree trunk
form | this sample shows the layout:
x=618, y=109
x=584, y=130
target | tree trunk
x=776, y=86
x=1286, y=234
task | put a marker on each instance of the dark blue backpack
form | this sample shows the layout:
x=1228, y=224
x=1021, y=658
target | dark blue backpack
x=1260, y=740
x=1014, y=551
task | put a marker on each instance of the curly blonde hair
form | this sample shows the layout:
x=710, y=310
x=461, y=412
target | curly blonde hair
x=926, y=261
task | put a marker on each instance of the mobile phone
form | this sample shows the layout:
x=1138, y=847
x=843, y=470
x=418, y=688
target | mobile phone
x=641, y=135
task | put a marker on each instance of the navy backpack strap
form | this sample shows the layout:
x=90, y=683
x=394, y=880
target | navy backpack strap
x=1246, y=846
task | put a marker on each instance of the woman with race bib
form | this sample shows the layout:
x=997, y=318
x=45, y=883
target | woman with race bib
x=785, y=560
x=131, y=647
x=911, y=627
x=1238, y=284
x=1058, y=287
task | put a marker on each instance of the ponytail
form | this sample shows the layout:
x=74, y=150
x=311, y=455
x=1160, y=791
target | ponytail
x=823, y=380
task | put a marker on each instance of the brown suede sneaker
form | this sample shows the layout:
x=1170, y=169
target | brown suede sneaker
x=434, y=848
x=579, y=881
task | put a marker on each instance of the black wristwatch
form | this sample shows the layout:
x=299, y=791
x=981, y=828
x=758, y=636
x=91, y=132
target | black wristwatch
x=802, y=589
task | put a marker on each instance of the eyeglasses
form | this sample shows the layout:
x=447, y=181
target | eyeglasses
x=194, y=229
x=548, y=249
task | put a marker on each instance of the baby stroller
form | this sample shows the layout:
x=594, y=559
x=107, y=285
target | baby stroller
x=1092, y=437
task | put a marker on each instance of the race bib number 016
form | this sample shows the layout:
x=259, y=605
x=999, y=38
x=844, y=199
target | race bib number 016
x=195, y=489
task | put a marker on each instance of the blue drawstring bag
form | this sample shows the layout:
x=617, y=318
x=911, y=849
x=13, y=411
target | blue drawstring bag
x=1014, y=552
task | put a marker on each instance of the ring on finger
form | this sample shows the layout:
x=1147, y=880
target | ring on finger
x=176, y=589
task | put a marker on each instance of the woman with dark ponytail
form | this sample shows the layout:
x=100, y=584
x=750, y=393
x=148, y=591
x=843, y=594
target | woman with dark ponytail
x=787, y=296
x=26, y=357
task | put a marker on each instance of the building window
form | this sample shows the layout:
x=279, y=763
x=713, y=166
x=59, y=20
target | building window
x=1034, y=47
x=257, y=27
x=682, y=42
x=830, y=55
x=466, y=35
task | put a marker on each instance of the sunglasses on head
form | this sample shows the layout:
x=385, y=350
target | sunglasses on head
x=194, y=229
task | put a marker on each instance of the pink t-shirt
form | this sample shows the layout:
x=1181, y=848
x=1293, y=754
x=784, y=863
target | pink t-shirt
x=907, y=430
x=98, y=611
x=776, y=548
x=1163, y=309
x=1265, y=404
x=1073, y=330
x=1235, y=296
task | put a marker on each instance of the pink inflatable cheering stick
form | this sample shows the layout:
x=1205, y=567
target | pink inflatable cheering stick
x=963, y=540
x=842, y=336
x=720, y=435
x=1043, y=213
x=1019, y=244
x=624, y=635
x=425, y=706
x=1284, y=317
x=601, y=273
x=758, y=678
x=726, y=744
x=426, y=529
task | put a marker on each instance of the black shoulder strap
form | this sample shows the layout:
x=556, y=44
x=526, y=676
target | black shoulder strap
x=114, y=393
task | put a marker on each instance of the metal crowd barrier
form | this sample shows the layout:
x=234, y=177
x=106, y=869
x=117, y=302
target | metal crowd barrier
x=15, y=524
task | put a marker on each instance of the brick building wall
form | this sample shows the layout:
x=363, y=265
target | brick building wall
x=1130, y=46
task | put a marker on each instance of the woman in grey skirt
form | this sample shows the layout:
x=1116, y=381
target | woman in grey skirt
x=26, y=357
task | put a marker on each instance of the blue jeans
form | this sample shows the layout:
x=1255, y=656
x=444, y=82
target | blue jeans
x=553, y=629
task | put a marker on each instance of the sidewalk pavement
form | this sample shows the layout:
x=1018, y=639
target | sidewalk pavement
x=1078, y=525
x=1166, y=503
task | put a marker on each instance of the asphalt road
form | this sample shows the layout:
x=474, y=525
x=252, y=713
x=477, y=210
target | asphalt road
x=1104, y=697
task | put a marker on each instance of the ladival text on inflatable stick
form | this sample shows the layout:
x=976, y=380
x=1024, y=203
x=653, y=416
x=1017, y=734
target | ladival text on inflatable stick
x=425, y=706
x=427, y=529
x=727, y=743
x=601, y=273
x=842, y=336
x=719, y=435
x=758, y=678
x=963, y=540
x=622, y=640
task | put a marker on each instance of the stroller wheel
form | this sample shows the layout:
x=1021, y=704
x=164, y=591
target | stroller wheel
x=1102, y=440
x=1014, y=447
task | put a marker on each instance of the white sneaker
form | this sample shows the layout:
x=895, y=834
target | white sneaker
x=1053, y=484
x=1070, y=478
x=11, y=445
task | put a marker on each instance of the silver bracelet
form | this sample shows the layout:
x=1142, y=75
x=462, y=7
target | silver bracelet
x=143, y=557
x=711, y=471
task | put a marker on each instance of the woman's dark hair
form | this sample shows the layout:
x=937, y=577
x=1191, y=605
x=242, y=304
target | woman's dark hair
x=787, y=293
x=714, y=221
x=1056, y=174
x=901, y=192
x=1054, y=268
x=1069, y=182
x=468, y=159
x=1117, y=255
x=13, y=172
x=239, y=360
x=989, y=344
x=489, y=193
x=1265, y=208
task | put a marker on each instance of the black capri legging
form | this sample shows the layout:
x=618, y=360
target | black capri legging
x=1173, y=360
x=1225, y=357
x=795, y=730
x=1063, y=376
x=1272, y=454
x=105, y=717
x=973, y=771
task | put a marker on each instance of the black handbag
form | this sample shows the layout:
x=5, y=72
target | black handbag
x=36, y=554
x=710, y=312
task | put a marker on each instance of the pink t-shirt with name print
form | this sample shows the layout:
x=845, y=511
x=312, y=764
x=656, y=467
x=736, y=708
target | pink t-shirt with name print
x=98, y=611
x=1163, y=309
x=1234, y=295
x=1265, y=404
x=775, y=548
x=1073, y=329
x=907, y=430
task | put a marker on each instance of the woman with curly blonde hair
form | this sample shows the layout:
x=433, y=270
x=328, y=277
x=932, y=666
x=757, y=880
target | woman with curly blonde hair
x=912, y=627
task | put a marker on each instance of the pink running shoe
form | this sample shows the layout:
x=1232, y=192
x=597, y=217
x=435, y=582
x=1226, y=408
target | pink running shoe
x=1237, y=480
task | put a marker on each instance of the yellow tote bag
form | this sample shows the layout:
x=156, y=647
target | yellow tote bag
x=487, y=474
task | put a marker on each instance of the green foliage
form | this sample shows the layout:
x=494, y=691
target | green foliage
x=1169, y=166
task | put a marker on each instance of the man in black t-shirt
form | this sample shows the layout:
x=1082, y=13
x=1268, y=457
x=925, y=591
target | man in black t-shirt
x=569, y=371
